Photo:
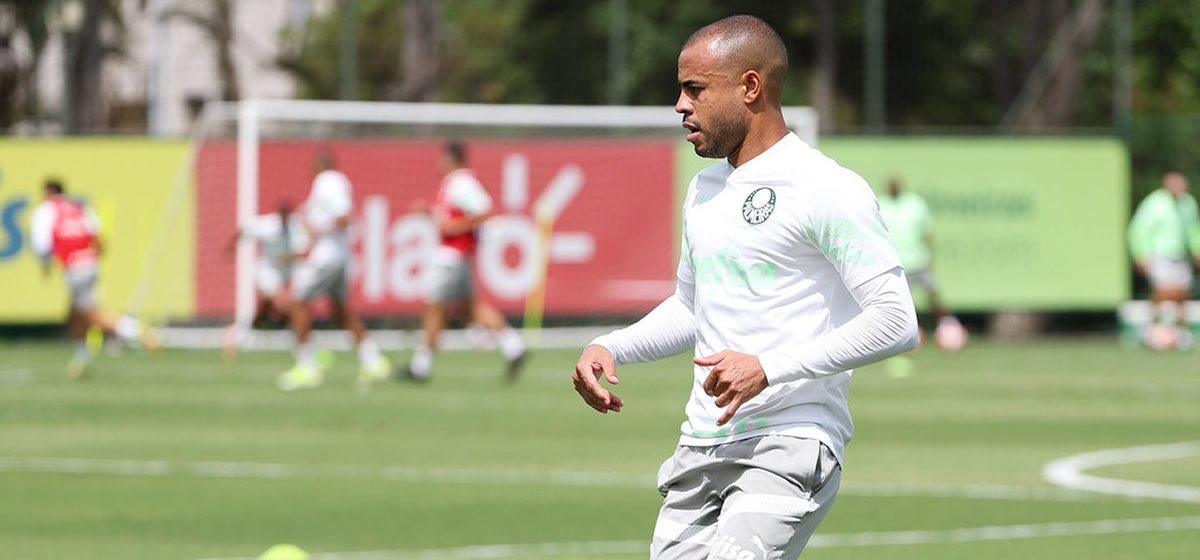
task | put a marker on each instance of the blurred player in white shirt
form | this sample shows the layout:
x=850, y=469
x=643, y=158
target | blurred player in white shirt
x=281, y=238
x=327, y=216
x=68, y=230
x=460, y=207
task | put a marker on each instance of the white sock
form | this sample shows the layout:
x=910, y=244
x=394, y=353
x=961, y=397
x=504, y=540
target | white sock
x=305, y=355
x=368, y=352
x=81, y=351
x=422, y=362
x=128, y=329
x=511, y=344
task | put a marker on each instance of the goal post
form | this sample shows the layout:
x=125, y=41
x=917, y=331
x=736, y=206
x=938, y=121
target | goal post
x=522, y=144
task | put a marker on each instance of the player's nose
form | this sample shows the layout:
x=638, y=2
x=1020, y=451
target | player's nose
x=683, y=106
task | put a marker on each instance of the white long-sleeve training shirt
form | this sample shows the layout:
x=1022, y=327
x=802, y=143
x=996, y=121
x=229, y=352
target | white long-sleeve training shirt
x=785, y=258
x=331, y=198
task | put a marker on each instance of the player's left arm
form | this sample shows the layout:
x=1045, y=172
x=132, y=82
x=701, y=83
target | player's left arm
x=468, y=195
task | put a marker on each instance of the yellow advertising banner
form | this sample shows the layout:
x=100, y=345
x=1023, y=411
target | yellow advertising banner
x=147, y=225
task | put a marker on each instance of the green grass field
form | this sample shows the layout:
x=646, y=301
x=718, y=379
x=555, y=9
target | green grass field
x=181, y=456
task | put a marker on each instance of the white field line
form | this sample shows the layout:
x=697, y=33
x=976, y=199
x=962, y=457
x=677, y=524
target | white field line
x=387, y=339
x=882, y=538
x=277, y=471
x=1068, y=472
x=583, y=479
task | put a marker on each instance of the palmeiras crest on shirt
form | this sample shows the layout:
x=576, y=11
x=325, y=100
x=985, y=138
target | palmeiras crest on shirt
x=759, y=205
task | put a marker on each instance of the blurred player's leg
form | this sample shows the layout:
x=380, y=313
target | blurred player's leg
x=77, y=327
x=373, y=367
x=304, y=374
x=433, y=320
x=448, y=280
x=511, y=344
x=1171, y=285
x=948, y=334
x=125, y=328
x=273, y=302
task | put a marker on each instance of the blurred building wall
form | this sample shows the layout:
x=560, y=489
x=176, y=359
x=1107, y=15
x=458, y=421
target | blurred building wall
x=189, y=65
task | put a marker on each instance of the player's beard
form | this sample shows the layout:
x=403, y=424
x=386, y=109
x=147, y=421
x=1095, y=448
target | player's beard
x=724, y=134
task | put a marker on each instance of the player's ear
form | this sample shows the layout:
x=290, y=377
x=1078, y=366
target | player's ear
x=753, y=86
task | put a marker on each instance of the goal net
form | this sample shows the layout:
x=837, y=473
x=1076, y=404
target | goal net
x=588, y=202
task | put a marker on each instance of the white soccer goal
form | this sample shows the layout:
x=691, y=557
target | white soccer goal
x=245, y=153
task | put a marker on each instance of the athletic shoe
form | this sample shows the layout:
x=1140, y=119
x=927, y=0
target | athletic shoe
x=405, y=374
x=300, y=377
x=77, y=369
x=514, y=366
x=379, y=370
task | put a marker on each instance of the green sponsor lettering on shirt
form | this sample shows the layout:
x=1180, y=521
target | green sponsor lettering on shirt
x=726, y=270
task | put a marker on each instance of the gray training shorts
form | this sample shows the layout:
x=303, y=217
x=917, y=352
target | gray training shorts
x=754, y=499
x=310, y=280
x=81, y=286
x=448, y=280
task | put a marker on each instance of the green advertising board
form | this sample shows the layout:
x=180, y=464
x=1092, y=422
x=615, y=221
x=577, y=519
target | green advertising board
x=1019, y=223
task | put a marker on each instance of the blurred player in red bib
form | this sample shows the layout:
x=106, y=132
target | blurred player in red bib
x=67, y=230
x=459, y=208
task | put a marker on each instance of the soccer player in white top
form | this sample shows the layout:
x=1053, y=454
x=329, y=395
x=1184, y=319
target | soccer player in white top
x=459, y=208
x=786, y=282
x=69, y=231
x=327, y=216
x=281, y=237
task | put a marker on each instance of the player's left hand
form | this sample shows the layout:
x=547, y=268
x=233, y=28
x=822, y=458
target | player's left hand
x=734, y=379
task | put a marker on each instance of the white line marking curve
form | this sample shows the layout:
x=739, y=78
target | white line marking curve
x=1068, y=472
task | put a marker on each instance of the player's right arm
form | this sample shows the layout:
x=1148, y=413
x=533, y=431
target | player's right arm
x=1140, y=233
x=41, y=233
x=667, y=330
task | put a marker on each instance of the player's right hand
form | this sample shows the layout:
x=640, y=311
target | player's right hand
x=597, y=361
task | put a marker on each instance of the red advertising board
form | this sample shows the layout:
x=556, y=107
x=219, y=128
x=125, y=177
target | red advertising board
x=611, y=250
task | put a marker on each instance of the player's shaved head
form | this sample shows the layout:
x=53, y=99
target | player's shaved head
x=744, y=43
